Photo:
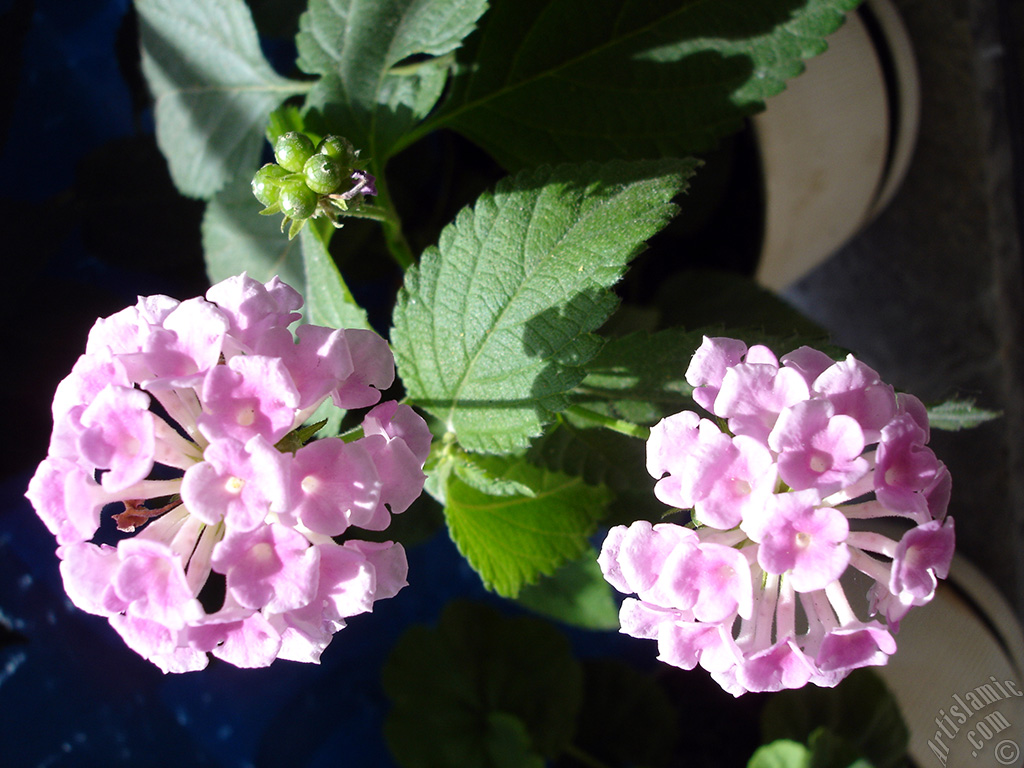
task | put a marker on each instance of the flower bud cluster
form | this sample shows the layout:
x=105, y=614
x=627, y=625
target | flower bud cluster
x=783, y=487
x=308, y=181
x=188, y=416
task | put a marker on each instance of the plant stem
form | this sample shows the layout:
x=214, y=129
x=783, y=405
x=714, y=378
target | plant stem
x=616, y=425
x=582, y=757
x=392, y=224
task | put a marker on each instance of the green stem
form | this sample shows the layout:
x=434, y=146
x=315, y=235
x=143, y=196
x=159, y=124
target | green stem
x=391, y=223
x=616, y=425
x=582, y=757
x=353, y=434
x=372, y=212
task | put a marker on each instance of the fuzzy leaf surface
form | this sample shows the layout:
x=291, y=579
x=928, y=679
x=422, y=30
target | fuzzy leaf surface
x=954, y=415
x=546, y=81
x=493, y=327
x=512, y=540
x=356, y=44
x=213, y=89
x=237, y=239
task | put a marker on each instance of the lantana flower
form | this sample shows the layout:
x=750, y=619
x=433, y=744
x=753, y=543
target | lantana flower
x=234, y=531
x=782, y=487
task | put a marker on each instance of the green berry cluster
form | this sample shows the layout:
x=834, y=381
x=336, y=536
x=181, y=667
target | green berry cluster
x=309, y=181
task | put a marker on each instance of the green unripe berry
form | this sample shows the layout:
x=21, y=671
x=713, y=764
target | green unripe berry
x=292, y=150
x=266, y=184
x=335, y=146
x=297, y=200
x=323, y=174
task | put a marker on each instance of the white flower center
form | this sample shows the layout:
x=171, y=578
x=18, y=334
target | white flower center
x=803, y=540
x=234, y=485
x=310, y=483
x=262, y=552
x=740, y=487
x=246, y=416
x=820, y=462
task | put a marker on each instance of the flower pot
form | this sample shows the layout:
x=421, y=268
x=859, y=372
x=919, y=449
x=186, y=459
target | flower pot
x=835, y=145
x=958, y=674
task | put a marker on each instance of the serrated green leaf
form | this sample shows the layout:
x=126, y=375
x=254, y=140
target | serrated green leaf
x=236, y=239
x=356, y=44
x=477, y=472
x=954, y=415
x=458, y=691
x=549, y=81
x=328, y=299
x=213, y=89
x=576, y=594
x=512, y=540
x=492, y=327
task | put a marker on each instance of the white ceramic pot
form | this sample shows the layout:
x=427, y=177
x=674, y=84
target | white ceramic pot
x=958, y=675
x=836, y=143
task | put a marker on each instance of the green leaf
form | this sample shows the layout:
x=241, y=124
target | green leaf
x=829, y=750
x=213, y=89
x=237, y=239
x=492, y=328
x=331, y=415
x=511, y=540
x=468, y=691
x=297, y=438
x=548, y=81
x=954, y=415
x=282, y=120
x=860, y=710
x=603, y=457
x=356, y=44
x=782, y=753
x=328, y=299
x=508, y=743
x=642, y=376
x=477, y=472
x=576, y=594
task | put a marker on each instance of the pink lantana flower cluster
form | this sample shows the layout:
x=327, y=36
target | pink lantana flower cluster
x=184, y=416
x=782, y=489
